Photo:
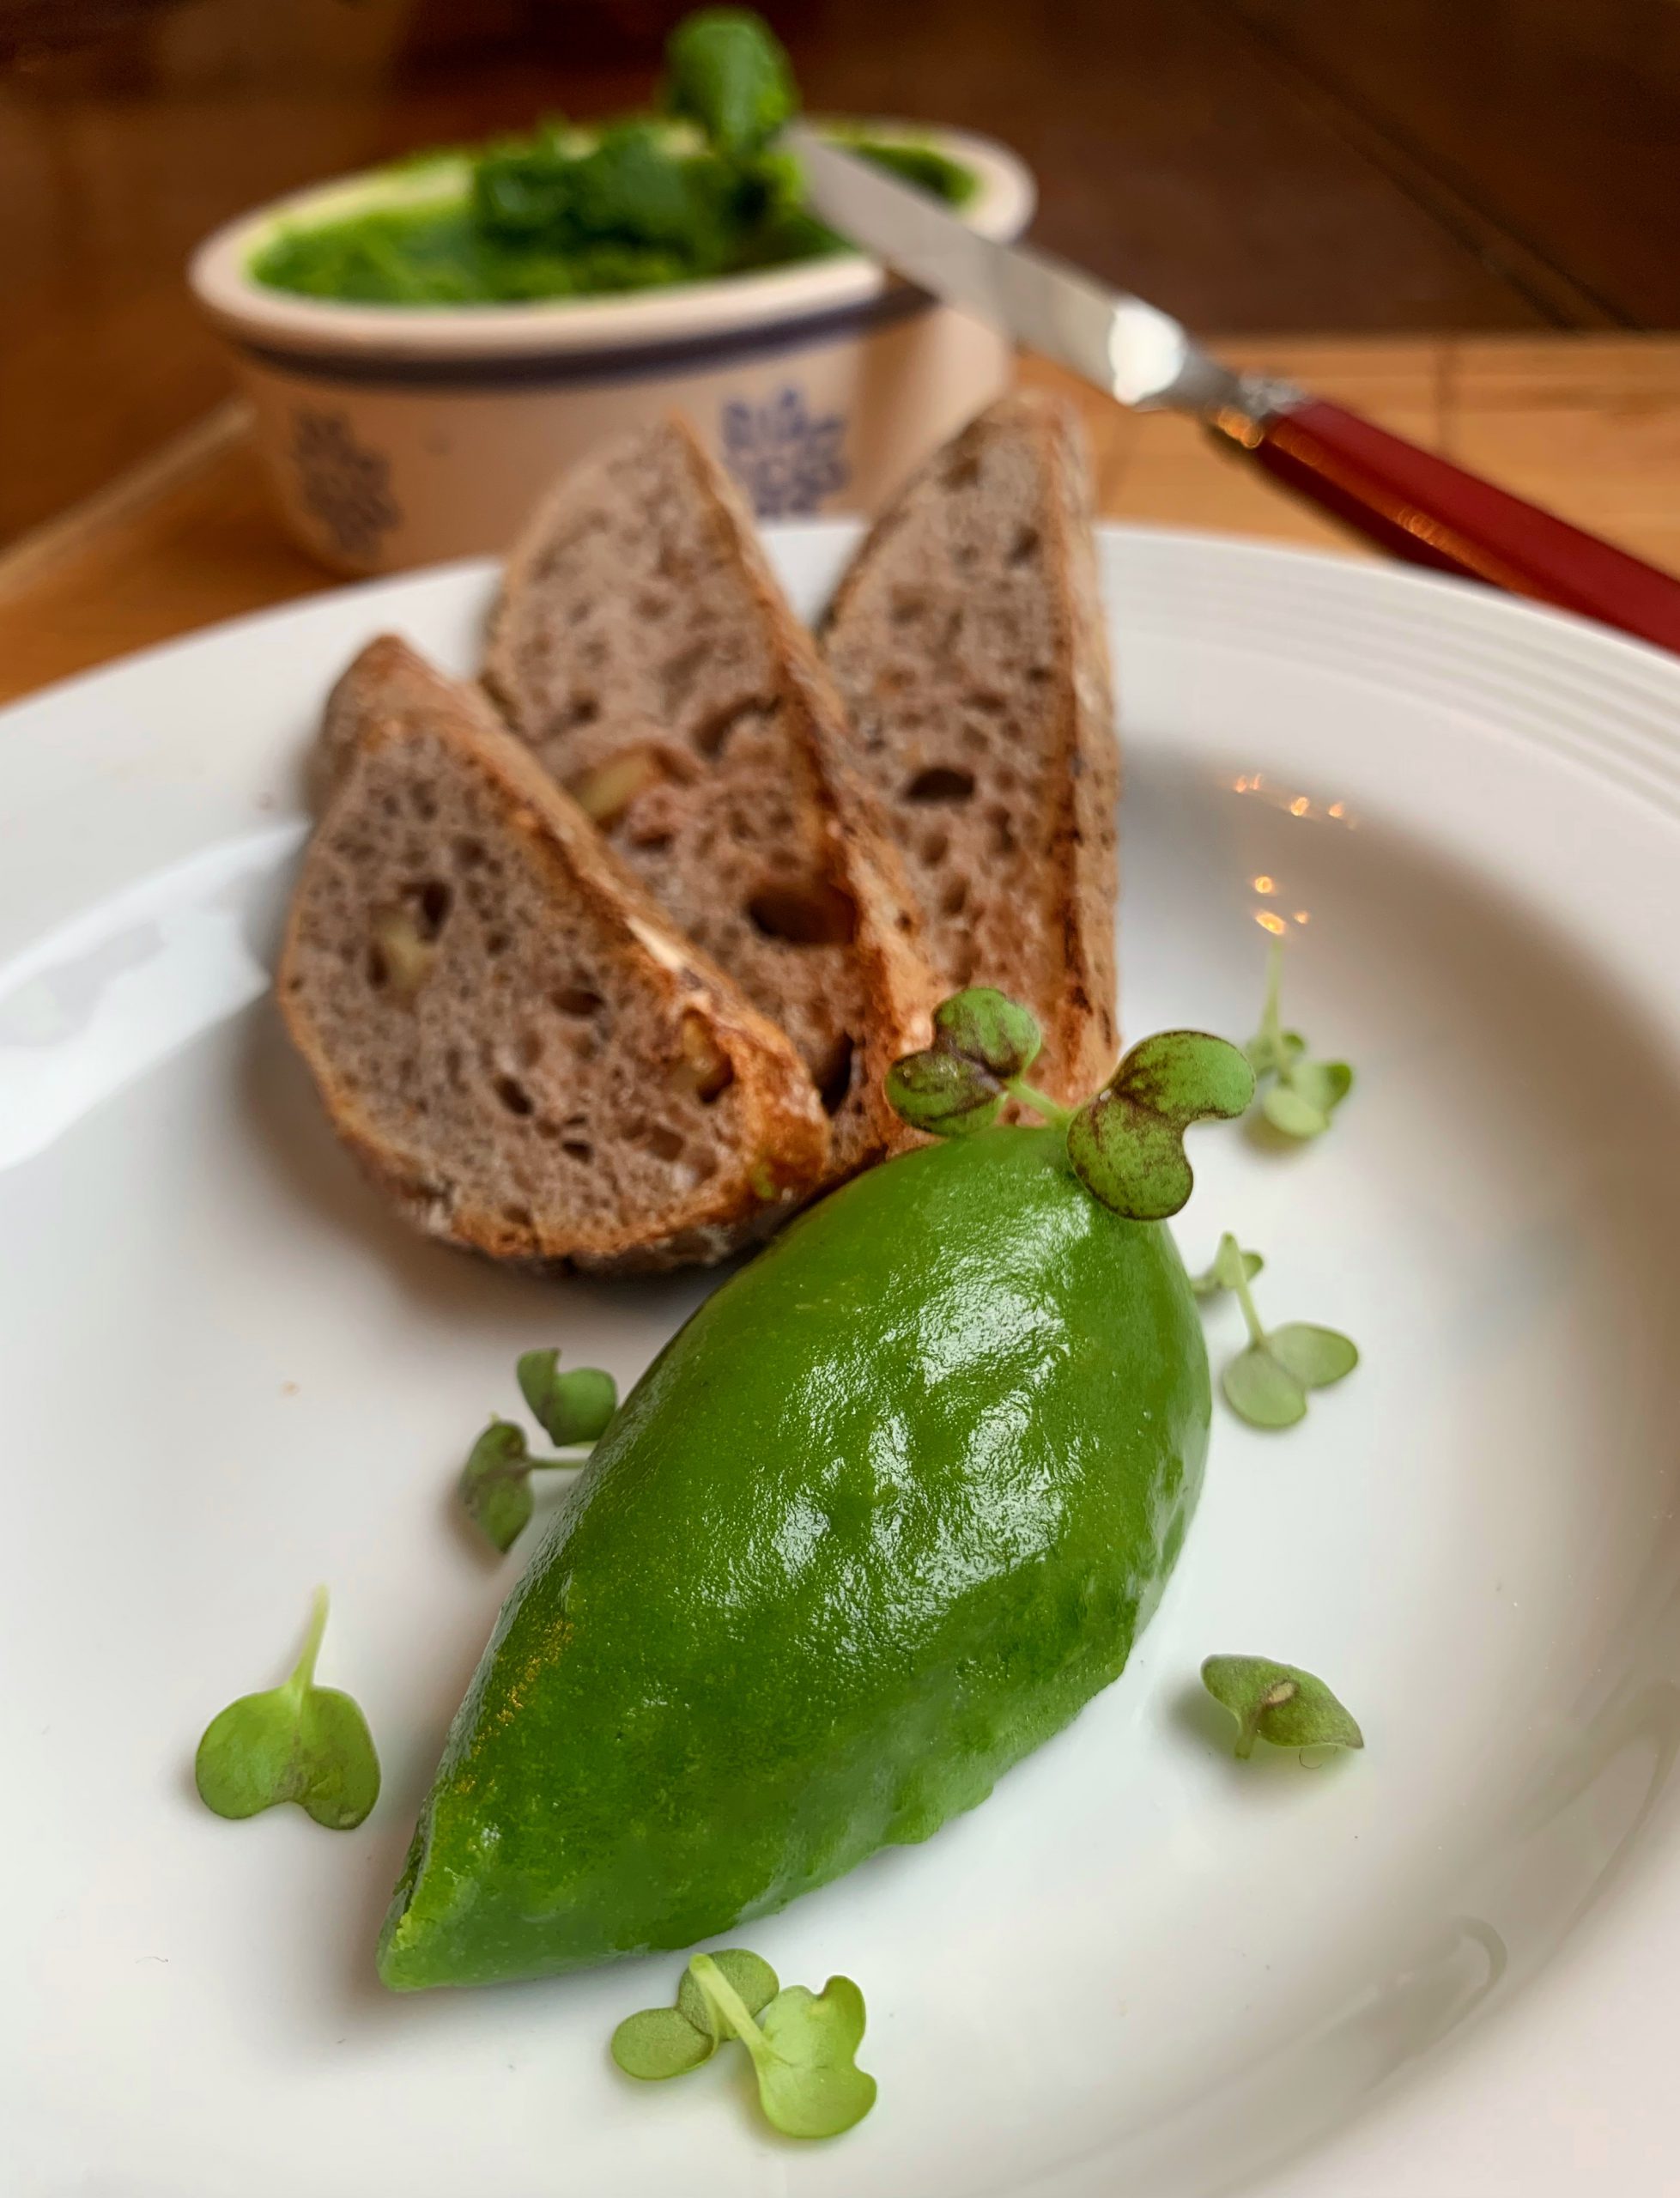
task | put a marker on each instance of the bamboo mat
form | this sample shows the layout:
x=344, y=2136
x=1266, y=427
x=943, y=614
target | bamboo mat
x=1588, y=425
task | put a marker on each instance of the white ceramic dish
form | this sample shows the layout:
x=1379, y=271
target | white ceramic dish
x=395, y=436
x=1446, y=1967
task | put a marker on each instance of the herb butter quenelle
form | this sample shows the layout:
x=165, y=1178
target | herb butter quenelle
x=888, y=1511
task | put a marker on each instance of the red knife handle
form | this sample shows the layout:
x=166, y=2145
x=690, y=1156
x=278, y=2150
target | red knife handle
x=1418, y=506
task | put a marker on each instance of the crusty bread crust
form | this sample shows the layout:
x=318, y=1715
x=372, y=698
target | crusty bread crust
x=391, y=695
x=1068, y=873
x=884, y=967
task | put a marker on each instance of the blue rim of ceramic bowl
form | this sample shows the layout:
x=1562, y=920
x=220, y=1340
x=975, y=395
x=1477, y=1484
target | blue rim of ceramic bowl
x=626, y=363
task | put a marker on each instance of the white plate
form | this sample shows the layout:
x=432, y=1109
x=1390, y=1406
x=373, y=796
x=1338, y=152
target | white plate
x=1141, y=1967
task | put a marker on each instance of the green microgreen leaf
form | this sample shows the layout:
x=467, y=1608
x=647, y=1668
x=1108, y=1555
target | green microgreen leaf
x=1294, y=1116
x=944, y=1093
x=804, y=2049
x=808, y=2081
x=1267, y=1382
x=1221, y=1272
x=659, y=2042
x=573, y=1407
x=983, y=1045
x=803, y=2053
x=1126, y=1145
x=663, y=2042
x=1261, y=1390
x=495, y=1481
x=1304, y=1093
x=1278, y=1703
x=1268, y=1051
x=988, y=1027
x=1322, y=1086
x=748, y=1975
x=1315, y=1357
x=297, y=1742
x=495, y=1484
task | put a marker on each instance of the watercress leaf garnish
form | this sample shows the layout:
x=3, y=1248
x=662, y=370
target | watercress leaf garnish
x=1306, y=1092
x=750, y=1974
x=1279, y=1703
x=495, y=1481
x=1315, y=1357
x=1261, y=1390
x=987, y=1026
x=803, y=2044
x=1266, y=1383
x=809, y=2081
x=663, y=2042
x=728, y=73
x=1221, y=1272
x=983, y=1045
x=1126, y=1145
x=944, y=1093
x=297, y=1742
x=660, y=2042
x=495, y=1484
x=570, y=1407
x=1273, y=1046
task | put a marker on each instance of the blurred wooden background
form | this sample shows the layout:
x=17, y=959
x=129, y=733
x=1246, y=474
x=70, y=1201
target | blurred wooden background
x=1260, y=167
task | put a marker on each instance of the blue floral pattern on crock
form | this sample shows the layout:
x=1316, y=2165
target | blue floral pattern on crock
x=786, y=461
x=344, y=483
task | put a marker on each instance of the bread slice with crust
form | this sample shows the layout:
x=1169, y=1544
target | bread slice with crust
x=642, y=648
x=507, y=1033
x=967, y=642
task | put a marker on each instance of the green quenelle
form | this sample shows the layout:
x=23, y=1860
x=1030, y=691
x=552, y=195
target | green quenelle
x=884, y=1515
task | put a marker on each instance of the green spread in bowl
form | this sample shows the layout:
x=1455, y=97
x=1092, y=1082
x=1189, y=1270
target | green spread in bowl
x=687, y=196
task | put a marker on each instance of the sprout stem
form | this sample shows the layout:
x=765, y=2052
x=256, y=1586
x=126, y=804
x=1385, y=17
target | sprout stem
x=1257, y=1334
x=1039, y=1102
x=729, y=2004
x=567, y=1465
x=303, y=1672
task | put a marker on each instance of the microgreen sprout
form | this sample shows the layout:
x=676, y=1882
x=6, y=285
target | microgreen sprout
x=1303, y=1093
x=574, y=1410
x=495, y=1482
x=297, y=1742
x=803, y=2044
x=1126, y=1145
x=1266, y=1383
x=1278, y=1703
x=983, y=1046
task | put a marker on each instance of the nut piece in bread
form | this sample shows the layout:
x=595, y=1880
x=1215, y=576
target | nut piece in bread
x=506, y=1030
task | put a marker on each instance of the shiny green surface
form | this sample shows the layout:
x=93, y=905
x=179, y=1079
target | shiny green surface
x=882, y=1516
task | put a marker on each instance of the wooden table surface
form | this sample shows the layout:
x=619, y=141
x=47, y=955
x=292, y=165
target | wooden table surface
x=1588, y=425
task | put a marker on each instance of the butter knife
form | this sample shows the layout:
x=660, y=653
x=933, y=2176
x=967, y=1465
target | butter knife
x=1407, y=501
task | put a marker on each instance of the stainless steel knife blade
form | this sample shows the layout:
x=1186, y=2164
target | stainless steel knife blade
x=1139, y=353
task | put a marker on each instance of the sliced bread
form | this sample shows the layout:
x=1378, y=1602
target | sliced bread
x=643, y=649
x=505, y=1029
x=966, y=640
